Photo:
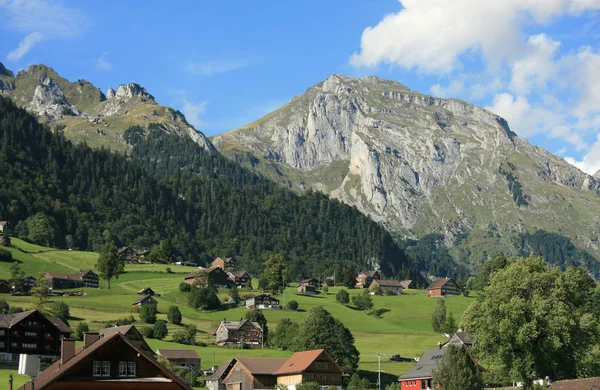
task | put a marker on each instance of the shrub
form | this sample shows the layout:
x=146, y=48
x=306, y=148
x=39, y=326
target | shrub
x=81, y=328
x=325, y=289
x=5, y=256
x=148, y=332
x=4, y=308
x=169, y=271
x=292, y=305
x=148, y=314
x=342, y=297
x=174, y=315
x=61, y=311
x=160, y=329
x=184, y=287
x=363, y=301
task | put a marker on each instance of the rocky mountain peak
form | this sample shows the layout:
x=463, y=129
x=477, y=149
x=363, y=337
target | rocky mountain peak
x=110, y=93
x=5, y=72
x=128, y=91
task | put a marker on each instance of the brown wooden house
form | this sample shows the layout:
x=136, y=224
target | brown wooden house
x=28, y=283
x=31, y=332
x=386, y=287
x=310, y=366
x=111, y=362
x=143, y=301
x=365, y=278
x=181, y=358
x=225, y=264
x=215, y=381
x=249, y=373
x=219, y=278
x=131, y=332
x=147, y=291
x=406, y=284
x=238, y=332
x=310, y=282
x=83, y=278
x=306, y=289
x=442, y=288
x=262, y=301
x=240, y=278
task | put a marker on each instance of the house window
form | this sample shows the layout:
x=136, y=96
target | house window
x=321, y=377
x=29, y=346
x=122, y=368
x=130, y=368
x=97, y=368
x=14, y=344
x=335, y=378
x=30, y=334
x=321, y=366
x=1, y=332
x=105, y=368
x=307, y=377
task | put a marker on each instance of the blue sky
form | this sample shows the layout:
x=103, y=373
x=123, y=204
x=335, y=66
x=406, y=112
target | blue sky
x=226, y=63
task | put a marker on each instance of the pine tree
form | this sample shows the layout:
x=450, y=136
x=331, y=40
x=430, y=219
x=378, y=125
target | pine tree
x=456, y=371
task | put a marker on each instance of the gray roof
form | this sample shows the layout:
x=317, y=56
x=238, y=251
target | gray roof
x=461, y=338
x=428, y=362
x=222, y=371
x=235, y=325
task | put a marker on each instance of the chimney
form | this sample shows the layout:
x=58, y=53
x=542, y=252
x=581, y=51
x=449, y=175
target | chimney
x=67, y=350
x=89, y=338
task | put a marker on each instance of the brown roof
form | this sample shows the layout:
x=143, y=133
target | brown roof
x=2, y=223
x=57, y=370
x=369, y=274
x=144, y=298
x=388, y=283
x=10, y=320
x=145, y=290
x=177, y=353
x=222, y=370
x=406, y=283
x=300, y=361
x=238, y=274
x=260, y=365
x=76, y=276
x=575, y=384
x=193, y=274
x=438, y=283
x=123, y=329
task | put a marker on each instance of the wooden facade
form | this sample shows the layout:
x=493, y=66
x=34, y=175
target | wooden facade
x=442, y=288
x=310, y=366
x=262, y=301
x=225, y=264
x=181, y=358
x=83, y=278
x=216, y=275
x=238, y=332
x=240, y=278
x=365, y=278
x=146, y=300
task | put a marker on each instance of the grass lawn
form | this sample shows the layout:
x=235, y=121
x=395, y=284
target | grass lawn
x=18, y=380
x=404, y=328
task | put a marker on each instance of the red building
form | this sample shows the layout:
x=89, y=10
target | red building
x=442, y=288
x=111, y=362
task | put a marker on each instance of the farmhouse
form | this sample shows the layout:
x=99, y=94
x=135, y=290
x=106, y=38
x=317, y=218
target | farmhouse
x=238, y=332
x=249, y=373
x=215, y=381
x=306, y=289
x=576, y=384
x=130, y=255
x=386, y=287
x=262, y=301
x=240, y=279
x=132, y=334
x=365, y=278
x=145, y=300
x=406, y=284
x=83, y=278
x=310, y=282
x=310, y=366
x=226, y=263
x=216, y=275
x=181, y=358
x=30, y=332
x=3, y=226
x=461, y=339
x=111, y=362
x=146, y=291
x=442, y=288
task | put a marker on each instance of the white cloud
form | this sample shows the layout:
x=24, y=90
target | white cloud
x=193, y=112
x=481, y=90
x=430, y=35
x=40, y=20
x=102, y=63
x=212, y=68
x=24, y=46
x=451, y=90
x=537, y=66
x=590, y=163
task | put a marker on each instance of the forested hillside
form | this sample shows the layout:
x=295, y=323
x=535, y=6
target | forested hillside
x=72, y=196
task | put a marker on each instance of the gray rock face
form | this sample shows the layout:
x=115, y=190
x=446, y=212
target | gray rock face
x=110, y=93
x=49, y=100
x=6, y=87
x=5, y=72
x=416, y=163
x=130, y=90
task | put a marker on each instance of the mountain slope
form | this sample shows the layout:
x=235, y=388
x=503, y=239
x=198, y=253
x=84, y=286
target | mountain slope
x=83, y=111
x=421, y=165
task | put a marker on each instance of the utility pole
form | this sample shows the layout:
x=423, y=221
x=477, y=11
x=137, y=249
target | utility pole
x=379, y=370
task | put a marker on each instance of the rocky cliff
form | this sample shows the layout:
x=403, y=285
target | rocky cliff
x=421, y=165
x=85, y=113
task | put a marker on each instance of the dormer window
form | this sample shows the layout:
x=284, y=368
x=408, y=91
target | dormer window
x=101, y=368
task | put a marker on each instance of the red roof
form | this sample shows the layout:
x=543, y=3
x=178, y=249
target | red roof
x=576, y=384
x=300, y=361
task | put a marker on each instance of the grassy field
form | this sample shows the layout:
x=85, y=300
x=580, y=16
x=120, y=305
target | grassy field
x=403, y=329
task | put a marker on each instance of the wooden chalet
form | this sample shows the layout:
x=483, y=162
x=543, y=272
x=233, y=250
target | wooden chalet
x=240, y=278
x=131, y=255
x=310, y=366
x=215, y=381
x=219, y=278
x=225, y=264
x=239, y=332
x=28, y=283
x=387, y=287
x=250, y=373
x=406, y=284
x=132, y=334
x=32, y=333
x=181, y=358
x=310, y=282
x=145, y=300
x=83, y=278
x=306, y=289
x=443, y=287
x=365, y=278
x=262, y=301
x=147, y=291
x=111, y=362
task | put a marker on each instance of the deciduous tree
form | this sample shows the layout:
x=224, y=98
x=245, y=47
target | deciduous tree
x=274, y=275
x=109, y=264
x=456, y=371
x=342, y=297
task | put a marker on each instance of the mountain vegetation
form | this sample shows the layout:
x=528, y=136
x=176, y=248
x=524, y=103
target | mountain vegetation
x=172, y=189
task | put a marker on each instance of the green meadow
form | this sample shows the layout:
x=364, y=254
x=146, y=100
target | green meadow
x=404, y=328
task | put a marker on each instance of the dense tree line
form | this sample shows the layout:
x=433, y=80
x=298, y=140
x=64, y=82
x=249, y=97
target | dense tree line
x=431, y=255
x=170, y=189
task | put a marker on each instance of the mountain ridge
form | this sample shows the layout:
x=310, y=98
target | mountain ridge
x=420, y=165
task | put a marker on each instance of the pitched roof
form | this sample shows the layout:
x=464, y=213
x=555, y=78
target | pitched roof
x=207, y=271
x=123, y=329
x=260, y=365
x=222, y=370
x=62, y=327
x=144, y=298
x=57, y=370
x=3, y=223
x=145, y=290
x=300, y=361
x=406, y=283
x=82, y=273
x=576, y=384
x=76, y=276
x=461, y=338
x=428, y=362
x=10, y=320
x=439, y=283
x=369, y=274
x=177, y=353
x=238, y=274
x=388, y=283
x=235, y=325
